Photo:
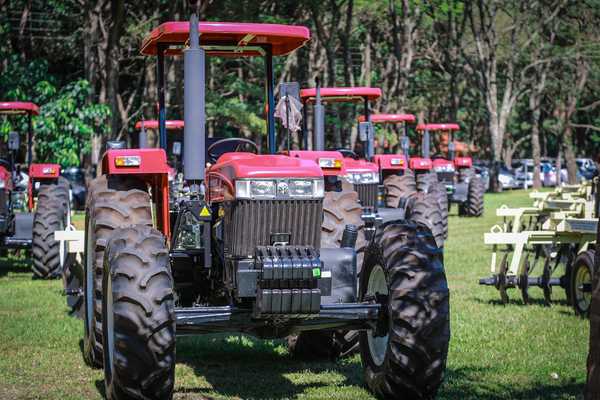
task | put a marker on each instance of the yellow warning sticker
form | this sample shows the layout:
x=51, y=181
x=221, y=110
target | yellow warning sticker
x=205, y=212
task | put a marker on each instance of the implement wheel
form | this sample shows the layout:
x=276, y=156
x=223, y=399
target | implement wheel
x=114, y=202
x=406, y=355
x=581, y=282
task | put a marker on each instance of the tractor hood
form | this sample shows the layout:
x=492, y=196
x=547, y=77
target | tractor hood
x=331, y=162
x=352, y=165
x=234, y=166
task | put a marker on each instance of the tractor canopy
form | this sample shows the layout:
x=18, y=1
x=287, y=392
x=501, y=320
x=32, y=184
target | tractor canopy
x=174, y=125
x=438, y=127
x=341, y=94
x=389, y=118
x=228, y=38
x=19, y=107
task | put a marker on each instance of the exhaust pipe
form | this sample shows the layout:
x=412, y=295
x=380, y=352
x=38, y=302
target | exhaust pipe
x=143, y=137
x=425, y=144
x=194, y=141
x=319, y=128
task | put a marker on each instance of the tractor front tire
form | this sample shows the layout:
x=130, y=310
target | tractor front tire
x=116, y=202
x=407, y=354
x=476, y=189
x=423, y=208
x=138, y=316
x=50, y=215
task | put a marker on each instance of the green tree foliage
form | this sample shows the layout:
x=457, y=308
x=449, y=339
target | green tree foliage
x=67, y=120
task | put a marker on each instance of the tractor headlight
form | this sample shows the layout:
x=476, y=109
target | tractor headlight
x=330, y=163
x=279, y=188
x=2, y=184
x=362, y=177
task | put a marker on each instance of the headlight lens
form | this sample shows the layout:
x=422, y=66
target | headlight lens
x=280, y=188
x=362, y=177
x=330, y=163
x=2, y=184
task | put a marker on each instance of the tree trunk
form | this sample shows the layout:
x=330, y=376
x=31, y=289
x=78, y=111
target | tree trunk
x=112, y=65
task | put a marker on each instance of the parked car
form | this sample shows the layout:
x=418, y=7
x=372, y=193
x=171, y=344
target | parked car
x=587, y=168
x=507, y=179
x=76, y=178
x=524, y=174
x=549, y=174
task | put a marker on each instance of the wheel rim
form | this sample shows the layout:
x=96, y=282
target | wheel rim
x=110, y=329
x=377, y=345
x=582, y=298
x=89, y=279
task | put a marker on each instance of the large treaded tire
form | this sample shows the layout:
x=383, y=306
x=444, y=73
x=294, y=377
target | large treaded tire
x=425, y=181
x=398, y=187
x=339, y=209
x=115, y=202
x=424, y=209
x=592, y=388
x=50, y=215
x=418, y=328
x=474, y=206
x=138, y=307
x=438, y=191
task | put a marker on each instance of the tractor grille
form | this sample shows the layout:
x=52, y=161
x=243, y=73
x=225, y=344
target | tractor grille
x=367, y=193
x=251, y=223
x=446, y=177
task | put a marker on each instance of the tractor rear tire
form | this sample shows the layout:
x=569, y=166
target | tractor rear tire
x=582, y=272
x=339, y=209
x=424, y=209
x=425, y=181
x=408, y=354
x=474, y=204
x=398, y=187
x=138, y=316
x=50, y=215
x=116, y=201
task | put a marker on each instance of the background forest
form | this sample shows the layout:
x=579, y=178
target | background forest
x=520, y=77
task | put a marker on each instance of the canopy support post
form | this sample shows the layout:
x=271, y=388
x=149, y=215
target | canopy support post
x=162, y=112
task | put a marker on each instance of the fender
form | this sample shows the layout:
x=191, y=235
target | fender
x=391, y=162
x=150, y=165
x=321, y=157
x=37, y=173
x=420, y=164
x=463, y=162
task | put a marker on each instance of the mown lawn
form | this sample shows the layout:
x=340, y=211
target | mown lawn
x=497, y=352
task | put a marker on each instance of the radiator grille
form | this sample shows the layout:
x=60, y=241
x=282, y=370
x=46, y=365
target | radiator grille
x=367, y=193
x=250, y=223
x=446, y=177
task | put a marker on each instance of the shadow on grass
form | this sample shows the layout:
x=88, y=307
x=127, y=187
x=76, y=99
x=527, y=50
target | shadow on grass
x=467, y=383
x=240, y=366
x=14, y=264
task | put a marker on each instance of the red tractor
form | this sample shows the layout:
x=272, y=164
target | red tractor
x=28, y=228
x=401, y=173
x=370, y=174
x=463, y=186
x=241, y=251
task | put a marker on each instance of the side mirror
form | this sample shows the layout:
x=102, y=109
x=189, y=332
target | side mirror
x=13, y=141
x=177, y=148
x=365, y=131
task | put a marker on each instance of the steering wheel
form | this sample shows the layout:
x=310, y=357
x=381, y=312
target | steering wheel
x=348, y=153
x=229, y=145
x=4, y=163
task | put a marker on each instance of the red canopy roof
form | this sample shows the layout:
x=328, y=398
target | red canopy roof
x=389, y=118
x=19, y=107
x=153, y=124
x=438, y=127
x=228, y=38
x=341, y=94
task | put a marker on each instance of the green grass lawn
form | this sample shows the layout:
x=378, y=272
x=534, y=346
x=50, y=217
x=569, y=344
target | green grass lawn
x=496, y=352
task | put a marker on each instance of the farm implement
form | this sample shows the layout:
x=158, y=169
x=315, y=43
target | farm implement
x=241, y=249
x=552, y=237
x=28, y=220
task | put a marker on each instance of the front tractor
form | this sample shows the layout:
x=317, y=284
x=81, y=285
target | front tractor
x=242, y=250
x=463, y=186
x=31, y=211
